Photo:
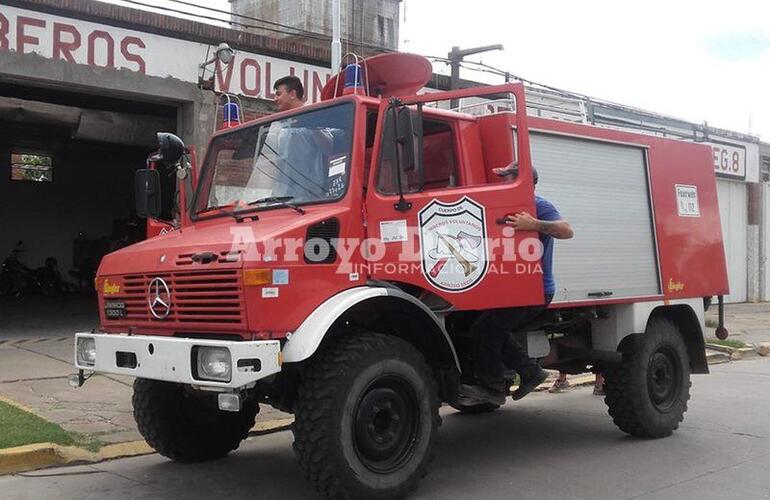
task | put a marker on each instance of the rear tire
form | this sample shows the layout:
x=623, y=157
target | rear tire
x=647, y=394
x=366, y=418
x=187, y=427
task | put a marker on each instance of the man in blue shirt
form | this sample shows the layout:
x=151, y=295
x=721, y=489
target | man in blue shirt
x=493, y=346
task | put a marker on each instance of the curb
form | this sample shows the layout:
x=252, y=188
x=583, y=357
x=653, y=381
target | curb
x=43, y=455
x=717, y=357
x=578, y=381
x=735, y=353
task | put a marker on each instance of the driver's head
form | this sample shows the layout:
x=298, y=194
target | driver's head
x=289, y=93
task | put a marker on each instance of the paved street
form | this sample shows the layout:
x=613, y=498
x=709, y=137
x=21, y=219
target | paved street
x=546, y=446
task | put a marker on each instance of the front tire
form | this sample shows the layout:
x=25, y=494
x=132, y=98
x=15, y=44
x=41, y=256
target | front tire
x=647, y=394
x=188, y=427
x=366, y=418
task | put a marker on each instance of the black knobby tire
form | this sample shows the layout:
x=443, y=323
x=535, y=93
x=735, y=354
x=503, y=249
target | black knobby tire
x=647, y=394
x=476, y=409
x=187, y=427
x=366, y=418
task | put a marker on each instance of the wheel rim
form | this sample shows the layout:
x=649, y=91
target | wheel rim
x=386, y=425
x=664, y=378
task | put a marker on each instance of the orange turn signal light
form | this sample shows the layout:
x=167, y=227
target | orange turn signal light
x=256, y=277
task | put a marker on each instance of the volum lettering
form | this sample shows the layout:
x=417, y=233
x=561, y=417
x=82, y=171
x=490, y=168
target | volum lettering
x=246, y=64
x=224, y=76
x=269, y=94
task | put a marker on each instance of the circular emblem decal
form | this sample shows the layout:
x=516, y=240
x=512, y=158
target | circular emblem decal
x=159, y=298
x=453, y=244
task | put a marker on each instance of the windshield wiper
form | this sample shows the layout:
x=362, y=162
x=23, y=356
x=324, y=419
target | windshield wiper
x=236, y=214
x=282, y=200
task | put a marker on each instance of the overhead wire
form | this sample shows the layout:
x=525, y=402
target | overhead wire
x=295, y=31
x=485, y=68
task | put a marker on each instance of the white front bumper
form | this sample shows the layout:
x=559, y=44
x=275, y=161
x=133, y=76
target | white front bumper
x=170, y=359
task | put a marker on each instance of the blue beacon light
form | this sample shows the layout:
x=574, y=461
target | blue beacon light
x=354, y=79
x=230, y=115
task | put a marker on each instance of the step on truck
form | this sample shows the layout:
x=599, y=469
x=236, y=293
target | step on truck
x=328, y=261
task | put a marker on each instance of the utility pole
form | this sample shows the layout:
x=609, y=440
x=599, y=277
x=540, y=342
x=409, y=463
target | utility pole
x=455, y=58
x=336, y=44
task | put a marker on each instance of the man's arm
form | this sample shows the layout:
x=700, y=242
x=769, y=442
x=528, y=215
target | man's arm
x=523, y=221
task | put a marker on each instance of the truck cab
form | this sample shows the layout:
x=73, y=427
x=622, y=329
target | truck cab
x=332, y=258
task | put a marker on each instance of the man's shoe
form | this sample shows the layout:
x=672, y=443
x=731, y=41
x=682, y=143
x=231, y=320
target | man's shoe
x=529, y=384
x=559, y=386
x=483, y=394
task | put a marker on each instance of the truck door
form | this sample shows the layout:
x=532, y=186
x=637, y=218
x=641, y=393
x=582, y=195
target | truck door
x=438, y=225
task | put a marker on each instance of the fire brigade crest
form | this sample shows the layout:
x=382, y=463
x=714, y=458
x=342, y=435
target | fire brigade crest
x=453, y=244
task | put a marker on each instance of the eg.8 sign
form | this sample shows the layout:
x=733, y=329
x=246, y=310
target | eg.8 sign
x=729, y=161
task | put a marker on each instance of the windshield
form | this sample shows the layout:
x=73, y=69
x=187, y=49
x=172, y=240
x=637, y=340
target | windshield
x=304, y=158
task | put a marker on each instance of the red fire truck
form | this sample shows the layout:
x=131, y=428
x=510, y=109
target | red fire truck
x=328, y=261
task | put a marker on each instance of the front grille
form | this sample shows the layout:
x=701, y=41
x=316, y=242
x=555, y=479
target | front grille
x=206, y=297
x=185, y=259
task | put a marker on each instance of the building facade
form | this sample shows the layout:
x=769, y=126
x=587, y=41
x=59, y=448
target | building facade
x=366, y=26
x=85, y=85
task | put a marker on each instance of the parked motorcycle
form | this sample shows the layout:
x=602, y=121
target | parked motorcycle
x=17, y=279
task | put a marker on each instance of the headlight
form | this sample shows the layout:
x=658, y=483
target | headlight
x=86, y=351
x=214, y=363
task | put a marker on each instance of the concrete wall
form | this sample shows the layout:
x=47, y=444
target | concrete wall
x=196, y=108
x=92, y=185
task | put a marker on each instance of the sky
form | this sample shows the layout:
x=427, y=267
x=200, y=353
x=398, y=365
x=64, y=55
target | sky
x=699, y=61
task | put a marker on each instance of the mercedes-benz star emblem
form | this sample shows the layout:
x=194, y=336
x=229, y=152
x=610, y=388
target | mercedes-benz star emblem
x=159, y=298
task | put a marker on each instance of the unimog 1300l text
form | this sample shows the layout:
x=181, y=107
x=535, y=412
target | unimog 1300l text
x=328, y=261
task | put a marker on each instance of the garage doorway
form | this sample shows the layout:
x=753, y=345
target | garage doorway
x=67, y=163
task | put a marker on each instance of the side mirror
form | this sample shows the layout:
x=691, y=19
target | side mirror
x=170, y=148
x=147, y=192
x=405, y=137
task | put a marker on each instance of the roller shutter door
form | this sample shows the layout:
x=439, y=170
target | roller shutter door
x=733, y=205
x=602, y=190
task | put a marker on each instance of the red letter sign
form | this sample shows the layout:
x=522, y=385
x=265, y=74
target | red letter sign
x=22, y=38
x=92, y=48
x=62, y=49
x=135, y=58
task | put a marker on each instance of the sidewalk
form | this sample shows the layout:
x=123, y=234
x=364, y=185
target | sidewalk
x=33, y=374
x=747, y=322
x=34, y=370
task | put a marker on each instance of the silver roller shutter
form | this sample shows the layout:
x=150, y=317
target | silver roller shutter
x=733, y=200
x=602, y=190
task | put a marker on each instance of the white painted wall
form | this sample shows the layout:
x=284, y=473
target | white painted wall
x=733, y=212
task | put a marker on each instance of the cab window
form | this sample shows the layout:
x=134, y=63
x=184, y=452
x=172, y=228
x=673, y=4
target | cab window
x=439, y=160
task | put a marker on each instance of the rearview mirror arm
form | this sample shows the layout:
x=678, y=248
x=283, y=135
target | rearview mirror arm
x=402, y=205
